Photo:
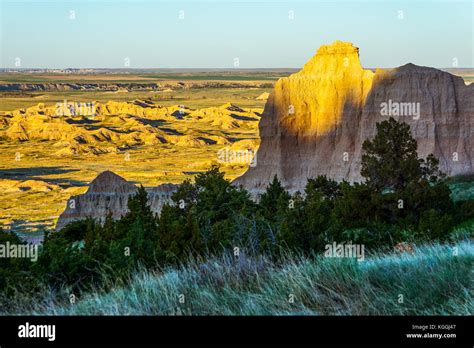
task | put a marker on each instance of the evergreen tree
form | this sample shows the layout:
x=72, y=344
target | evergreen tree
x=139, y=208
x=405, y=188
x=329, y=189
x=274, y=201
x=390, y=160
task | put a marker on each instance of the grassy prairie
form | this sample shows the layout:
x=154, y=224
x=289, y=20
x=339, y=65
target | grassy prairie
x=194, y=98
x=149, y=165
x=154, y=75
x=433, y=280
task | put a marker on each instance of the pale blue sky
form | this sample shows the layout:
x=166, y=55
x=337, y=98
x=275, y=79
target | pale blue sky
x=212, y=33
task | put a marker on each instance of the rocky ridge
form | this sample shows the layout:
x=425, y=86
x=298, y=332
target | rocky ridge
x=114, y=127
x=109, y=193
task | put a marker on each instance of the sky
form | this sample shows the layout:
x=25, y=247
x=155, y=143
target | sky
x=231, y=34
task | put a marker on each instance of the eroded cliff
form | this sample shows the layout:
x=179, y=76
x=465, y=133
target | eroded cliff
x=109, y=193
x=316, y=120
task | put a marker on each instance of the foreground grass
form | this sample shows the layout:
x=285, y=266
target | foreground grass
x=433, y=280
x=462, y=187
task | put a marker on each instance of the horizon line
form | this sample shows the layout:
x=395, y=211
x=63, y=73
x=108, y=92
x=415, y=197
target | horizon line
x=2, y=69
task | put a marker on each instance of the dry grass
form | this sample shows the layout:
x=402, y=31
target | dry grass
x=432, y=281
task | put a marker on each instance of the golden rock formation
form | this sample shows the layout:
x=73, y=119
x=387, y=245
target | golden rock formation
x=315, y=121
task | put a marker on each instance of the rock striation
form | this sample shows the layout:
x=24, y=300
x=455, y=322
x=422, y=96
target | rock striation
x=315, y=121
x=168, y=86
x=109, y=193
x=115, y=127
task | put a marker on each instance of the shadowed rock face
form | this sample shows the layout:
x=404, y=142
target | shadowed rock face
x=109, y=192
x=316, y=120
x=110, y=183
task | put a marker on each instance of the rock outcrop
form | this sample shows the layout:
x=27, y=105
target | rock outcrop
x=315, y=121
x=8, y=186
x=109, y=193
x=263, y=96
x=115, y=127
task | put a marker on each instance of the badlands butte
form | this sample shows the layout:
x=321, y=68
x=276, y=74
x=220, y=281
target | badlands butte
x=316, y=120
x=313, y=123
